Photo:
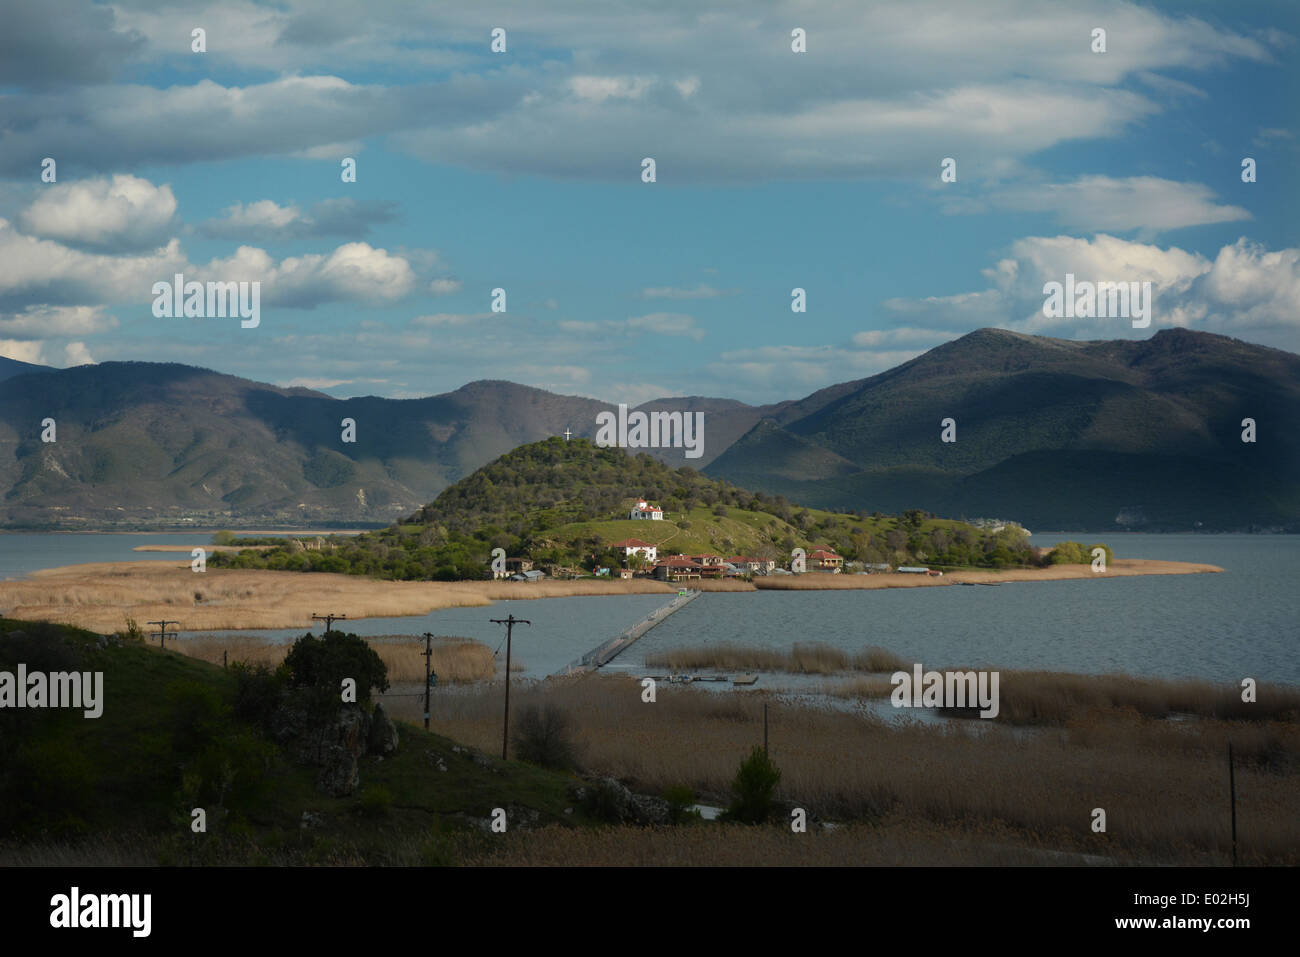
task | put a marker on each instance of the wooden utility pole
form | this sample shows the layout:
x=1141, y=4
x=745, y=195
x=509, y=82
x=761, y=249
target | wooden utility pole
x=1232, y=792
x=428, y=669
x=161, y=633
x=329, y=620
x=510, y=623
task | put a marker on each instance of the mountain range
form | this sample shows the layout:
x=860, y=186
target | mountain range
x=1052, y=433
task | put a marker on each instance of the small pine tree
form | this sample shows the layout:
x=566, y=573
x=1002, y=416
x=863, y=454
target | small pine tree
x=753, y=788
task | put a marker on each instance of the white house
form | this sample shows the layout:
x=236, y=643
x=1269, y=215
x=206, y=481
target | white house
x=643, y=509
x=634, y=546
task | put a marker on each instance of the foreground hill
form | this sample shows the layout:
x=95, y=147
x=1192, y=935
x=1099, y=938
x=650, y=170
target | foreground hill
x=564, y=504
x=1051, y=432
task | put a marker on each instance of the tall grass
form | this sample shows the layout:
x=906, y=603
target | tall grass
x=1161, y=782
x=453, y=659
x=803, y=658
x=1055, y=698
x=101, y=596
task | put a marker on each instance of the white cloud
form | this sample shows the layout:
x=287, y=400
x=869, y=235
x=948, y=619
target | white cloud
x=1244, y=288
x=49, y=322
x=1104, y=203
x=597, y=89
x=76, y=354
x=443, y=287
x=22, y=349
x=123, y=211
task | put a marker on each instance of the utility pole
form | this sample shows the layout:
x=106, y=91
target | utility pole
x=510, y=623
x=428, y=668
x=329, y=620
x=161, y=633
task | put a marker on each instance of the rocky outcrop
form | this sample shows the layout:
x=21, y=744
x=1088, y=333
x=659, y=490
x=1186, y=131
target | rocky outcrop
x=335, y=744
x=383, y=733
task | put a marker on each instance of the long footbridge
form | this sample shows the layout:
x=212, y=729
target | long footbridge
x=607, y=651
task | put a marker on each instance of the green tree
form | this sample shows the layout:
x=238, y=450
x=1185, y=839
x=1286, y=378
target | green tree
x=753, y=788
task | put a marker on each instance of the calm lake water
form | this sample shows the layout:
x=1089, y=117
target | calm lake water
x=1243, y=622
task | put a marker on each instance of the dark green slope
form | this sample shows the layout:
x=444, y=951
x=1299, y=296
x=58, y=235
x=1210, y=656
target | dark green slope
x=1053, y=433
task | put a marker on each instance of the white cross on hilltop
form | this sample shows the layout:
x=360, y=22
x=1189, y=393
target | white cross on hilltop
x=567, y=433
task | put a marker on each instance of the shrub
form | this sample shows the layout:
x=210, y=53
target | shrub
x=753, y=788
x=321, y=664
x=544, y=736
x=681, y=801
x=258, y=691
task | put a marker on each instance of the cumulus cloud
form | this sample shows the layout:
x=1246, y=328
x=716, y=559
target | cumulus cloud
x=354, y=272
x=1104, y=203
x=48, y=322
x=1244, y=288
x=443, y=287
x=583, y=88
x=267, y=221
x=122, y=212
x=44, y=272
x=76, y=354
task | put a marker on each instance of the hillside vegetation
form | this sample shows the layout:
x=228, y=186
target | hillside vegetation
x=563, y=504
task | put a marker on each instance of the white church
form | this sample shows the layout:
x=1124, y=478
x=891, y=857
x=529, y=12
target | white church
x=644, y=510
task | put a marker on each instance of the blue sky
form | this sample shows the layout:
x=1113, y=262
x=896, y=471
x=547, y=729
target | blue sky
x=522, y=170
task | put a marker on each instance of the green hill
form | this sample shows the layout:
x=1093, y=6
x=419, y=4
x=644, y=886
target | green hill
x=177, y=733
x=564, y=503
x=1053, y=433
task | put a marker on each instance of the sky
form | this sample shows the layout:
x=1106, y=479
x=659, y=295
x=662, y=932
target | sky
x=522, y=170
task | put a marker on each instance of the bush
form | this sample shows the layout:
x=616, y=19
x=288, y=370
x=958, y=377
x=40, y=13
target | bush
x=321, y=664
x=753, y=788
x=681, y=801
x=544, y=736
x=258, y=691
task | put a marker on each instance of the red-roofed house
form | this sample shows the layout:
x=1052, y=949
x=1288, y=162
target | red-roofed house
x=677, y=568
x=825, y=560
x=634, y=546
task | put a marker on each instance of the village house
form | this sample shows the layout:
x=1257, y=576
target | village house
x=678, y=568
x=634, y=546
x=748, y=565
x=825, y=560
x=644, y=510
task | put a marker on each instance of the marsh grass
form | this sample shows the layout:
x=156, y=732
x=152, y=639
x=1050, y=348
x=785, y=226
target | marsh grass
x=1056, y=698
x=101, y=596
x=803, y=658
x=1161, y=782
x=454, y=659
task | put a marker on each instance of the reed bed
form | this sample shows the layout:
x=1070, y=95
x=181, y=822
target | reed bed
x=1161, y=782
x=102, y=596
x=804, y=658
x=1055, y=698
x=454, y=659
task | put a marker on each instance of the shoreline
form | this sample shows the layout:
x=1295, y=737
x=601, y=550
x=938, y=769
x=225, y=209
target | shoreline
x=101, y=596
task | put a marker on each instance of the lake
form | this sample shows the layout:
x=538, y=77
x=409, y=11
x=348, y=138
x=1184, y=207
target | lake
x=1221, y=627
